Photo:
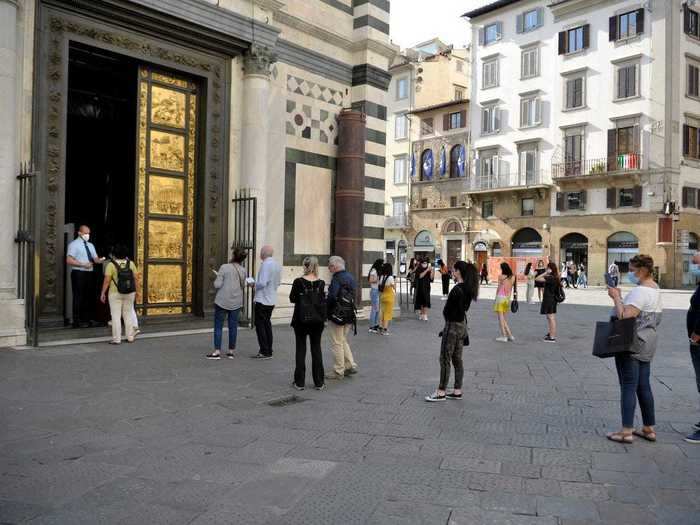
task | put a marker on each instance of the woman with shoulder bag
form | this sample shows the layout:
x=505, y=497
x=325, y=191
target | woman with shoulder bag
x=230, y=289
x=373, y=278
x=643, y=303
x=552, y=285
x=388, y=294
x=309, y=298
x=506, y=282
x=424, y=276
x=121, y=302
x=454, y=334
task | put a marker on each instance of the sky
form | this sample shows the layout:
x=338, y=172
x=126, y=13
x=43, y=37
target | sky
x=414, y=21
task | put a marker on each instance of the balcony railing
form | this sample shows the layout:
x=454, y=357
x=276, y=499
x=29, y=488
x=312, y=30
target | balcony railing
x=396, y=221
x=494, y=181
x=623, y=162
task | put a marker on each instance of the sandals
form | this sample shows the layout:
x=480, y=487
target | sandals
x=621, y=437
x=648, y=436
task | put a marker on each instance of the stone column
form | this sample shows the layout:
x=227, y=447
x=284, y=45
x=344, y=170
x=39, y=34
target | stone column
x=8, y=145
x=255, y=130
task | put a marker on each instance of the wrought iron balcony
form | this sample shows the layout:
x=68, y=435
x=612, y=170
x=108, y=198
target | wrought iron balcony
x=622, y=163
x=396, y=221
x=495, y=181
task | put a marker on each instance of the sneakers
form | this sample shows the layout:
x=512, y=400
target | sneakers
x=549, y=339
x=511, y=339
x=373, y=330
x=230, y=354
x=260, y=356
x=452, y=395
x=351, y=371
x=297, y=387
x=444, y=298
x=434, y=398
x=334, y=377
x=319, y=388
x=696, y=426
x=502, y=339
x=214, y=357
x=694, y=438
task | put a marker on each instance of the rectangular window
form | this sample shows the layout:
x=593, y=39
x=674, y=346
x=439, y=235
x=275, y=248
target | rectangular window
x=490, y=74
x=401, y=89
x=399, y=206
x=487, y=209
x=491, y=33
x=574, y=93
x=401, y=127
x=691, y=24
x=527, y=207
x=574, y=200
x=690, y=198
x=490, y=120
x=626, y=196
x=527, y=161
x=456, y=120
x=426, y=126
x=627, y=25
x=400, y=169
x=530, y=20
x=626, y=140
x=692, y=82
x=691, y=138
x=574, y=40
x=459, y=93
x=530, y=112
x=424, y=203
x=573, y=152
x=530, y=62
x=453, y=202
x=459, y=65
x=627, y=81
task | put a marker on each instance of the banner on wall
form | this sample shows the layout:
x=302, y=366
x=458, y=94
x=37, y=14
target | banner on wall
x=428, y=165
x=443, y=161
x=462, y=161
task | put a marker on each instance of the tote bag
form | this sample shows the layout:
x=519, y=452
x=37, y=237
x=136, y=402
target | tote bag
x=613, y=337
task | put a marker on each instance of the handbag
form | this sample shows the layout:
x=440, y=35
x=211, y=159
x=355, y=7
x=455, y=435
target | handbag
x=514, y=306
x=614, y=337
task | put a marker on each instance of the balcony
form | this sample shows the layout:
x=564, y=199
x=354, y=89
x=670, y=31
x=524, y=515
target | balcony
x=504, y=181
x=622, y=163
x=396, y=221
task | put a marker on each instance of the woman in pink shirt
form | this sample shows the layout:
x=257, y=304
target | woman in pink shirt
x=504, y=291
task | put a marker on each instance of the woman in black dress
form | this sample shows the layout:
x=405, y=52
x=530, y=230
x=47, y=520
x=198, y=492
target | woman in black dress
x=424, y=276
x=539, y=284
x=551, y=281
x=445, y=275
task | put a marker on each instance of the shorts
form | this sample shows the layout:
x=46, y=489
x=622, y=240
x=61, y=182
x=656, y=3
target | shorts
x=502, y=305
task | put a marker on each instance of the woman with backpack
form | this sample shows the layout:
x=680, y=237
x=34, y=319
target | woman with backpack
x=120, y=280
x=388, y=294
x=230, y=290
x=309, y=298
x=551, y=296
x=373, y=278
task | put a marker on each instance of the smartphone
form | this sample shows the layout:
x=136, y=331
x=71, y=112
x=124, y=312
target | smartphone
x=611, y=281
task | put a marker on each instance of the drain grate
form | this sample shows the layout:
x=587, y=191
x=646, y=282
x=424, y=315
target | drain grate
x=286, y=401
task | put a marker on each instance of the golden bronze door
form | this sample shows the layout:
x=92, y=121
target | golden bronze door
x=167, y=143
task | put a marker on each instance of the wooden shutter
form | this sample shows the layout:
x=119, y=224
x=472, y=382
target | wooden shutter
x=612, y=31
x=519, y=23
x=497, y=119
x=640, y=20
x=612, y=198
x=665, y=229
x=538, y=111
x=562, y=42
x=686, y=141
x=561, y=199
x=446, y=122
x=612, y=150
x=463, y=118
x=684, y=198
x=481, y=36
x=637, y=196
x=637, y=136
x=697, y=199
x=582, y=199
x=686, y=19
x=540, y=17
x=586, y=36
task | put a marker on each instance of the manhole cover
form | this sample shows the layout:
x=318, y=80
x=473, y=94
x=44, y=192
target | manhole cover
x=286, y=401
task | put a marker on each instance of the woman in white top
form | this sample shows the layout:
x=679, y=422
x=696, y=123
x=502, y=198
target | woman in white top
x=634, y=368
x=373, y=278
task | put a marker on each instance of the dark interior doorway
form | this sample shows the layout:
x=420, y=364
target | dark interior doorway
x=101, y=145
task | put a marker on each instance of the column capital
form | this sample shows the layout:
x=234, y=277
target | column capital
x=258, y=59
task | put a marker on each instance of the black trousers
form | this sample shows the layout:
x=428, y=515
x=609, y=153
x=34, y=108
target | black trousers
x=263, y=327
x=83, y=286
x=313, y=332
x=445, y=284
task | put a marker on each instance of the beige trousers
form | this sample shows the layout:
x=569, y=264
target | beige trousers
x=340, y=347
x=121, y=306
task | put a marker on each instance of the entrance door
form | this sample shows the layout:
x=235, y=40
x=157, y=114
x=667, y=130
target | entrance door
x=454, y=252
x=167, y=152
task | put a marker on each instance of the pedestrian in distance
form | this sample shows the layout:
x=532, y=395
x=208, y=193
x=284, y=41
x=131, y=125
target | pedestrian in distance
x=230, y=291
x=411, y=275
x=266, y=285
x=539, y=285
x=504, y=292
x=373, y=278
x=693, y=326
x=454, y=334
x=445, y=276
x=564, y=275
x=119, y=287
x=643, y=303
x=582, y=280
x=424, y=277
x=484, y=275
x=530, y=276
x=387, y=289
x=309, y=300
x=552, y=288
x=81, y=257
x=341, y=314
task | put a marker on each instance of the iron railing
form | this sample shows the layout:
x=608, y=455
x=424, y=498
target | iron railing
x=494, y=181
x=27, y=255
x=396, y=221
x=245, y=222
x=623, y=162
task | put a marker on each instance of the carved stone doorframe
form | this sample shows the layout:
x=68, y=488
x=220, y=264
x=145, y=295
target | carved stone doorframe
x=57, y=28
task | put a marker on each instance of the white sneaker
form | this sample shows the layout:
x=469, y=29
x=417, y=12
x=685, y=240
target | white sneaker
x=511, y=339
x=502, y=339
x=444, y=298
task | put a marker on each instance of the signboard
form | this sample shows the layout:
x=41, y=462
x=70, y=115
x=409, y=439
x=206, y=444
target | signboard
x=424, y=239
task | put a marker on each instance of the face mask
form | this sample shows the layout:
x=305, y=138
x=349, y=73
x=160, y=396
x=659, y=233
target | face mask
x=85, y=237
x=694, y=270
x=632, y=278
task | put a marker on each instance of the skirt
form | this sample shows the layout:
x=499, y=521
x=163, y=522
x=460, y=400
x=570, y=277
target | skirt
x=386, y=302
x=502, y=305
x=549, y=305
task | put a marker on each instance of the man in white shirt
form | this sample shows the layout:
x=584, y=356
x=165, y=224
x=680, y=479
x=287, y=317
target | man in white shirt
x=265, y=298
x=80, y=258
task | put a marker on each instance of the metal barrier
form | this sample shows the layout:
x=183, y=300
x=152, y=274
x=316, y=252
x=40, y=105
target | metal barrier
x=27, y=254
x=245, y=217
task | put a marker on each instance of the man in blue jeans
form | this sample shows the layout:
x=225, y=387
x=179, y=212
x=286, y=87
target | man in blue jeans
x=693, y=325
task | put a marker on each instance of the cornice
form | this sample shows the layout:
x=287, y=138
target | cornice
x=385, y=50
x=563, y=9
x=272, y=5
x=294, y=22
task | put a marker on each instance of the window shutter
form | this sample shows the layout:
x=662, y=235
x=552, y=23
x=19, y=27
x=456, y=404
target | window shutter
x=586, y=36
x=665, y=229
x=519, y=23
x=538, y=111
x=499, y=30
x=560, y=201
x=497, y=119
x=637, y=139
x=523, y=113
x=481, y=36
x=540, y=17
x=640, y=20
x=686, y=141
x=684, y=199
x=484, y=120
x=612, y=32
x=562, y=42
x=612, y=150
x=477, y=167
x=446, y=122
x=463, y=118
x=637, y=196
x=612, y=198
x=686, y=19
x=582, y=199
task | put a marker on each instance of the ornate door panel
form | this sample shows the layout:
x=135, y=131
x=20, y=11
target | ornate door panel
x=165, y=192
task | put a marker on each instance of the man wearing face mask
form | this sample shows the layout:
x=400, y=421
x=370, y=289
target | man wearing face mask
x=81, y=257
x=693, y=325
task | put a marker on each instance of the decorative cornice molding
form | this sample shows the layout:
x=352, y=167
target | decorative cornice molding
x=294, y=22
x=314, y=62
x=272, y=5
x=561, y=10
x=386, y=50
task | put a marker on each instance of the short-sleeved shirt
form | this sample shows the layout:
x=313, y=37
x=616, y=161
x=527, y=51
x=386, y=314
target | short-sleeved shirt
x=267, y=282
x=388, y=284
x=373, y=275
x=111, y=272
x=77, y=249
x=648, y=301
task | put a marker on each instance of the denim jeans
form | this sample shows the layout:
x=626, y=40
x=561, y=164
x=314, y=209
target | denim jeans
x=634, y=384
x=374, y=312
x=695, y=358
x=219, y=315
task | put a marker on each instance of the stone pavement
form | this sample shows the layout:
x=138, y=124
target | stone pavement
x=154, y=433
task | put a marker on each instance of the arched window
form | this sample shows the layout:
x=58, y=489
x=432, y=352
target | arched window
x=453, y=227
x=455, y=153
x=622, y=246
x=426, y=165
x=527, y=243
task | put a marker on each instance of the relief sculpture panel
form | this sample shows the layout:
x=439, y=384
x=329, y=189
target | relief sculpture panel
x=168, y=107
x=164, y=283
x=167, y=151
x=165, y=240
x=166, y=195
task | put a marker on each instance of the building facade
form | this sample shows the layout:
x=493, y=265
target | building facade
x=585, y=103
x=180, y=128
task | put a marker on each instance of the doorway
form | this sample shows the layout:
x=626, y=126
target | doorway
x=574, y=247
x=454, y=252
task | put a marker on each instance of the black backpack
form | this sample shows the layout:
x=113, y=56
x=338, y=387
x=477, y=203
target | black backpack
x=312, y=303
x=559, y=295
x=345, y=311
x=125, y=277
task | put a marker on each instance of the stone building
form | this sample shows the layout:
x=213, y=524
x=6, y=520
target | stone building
x=181, y=127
